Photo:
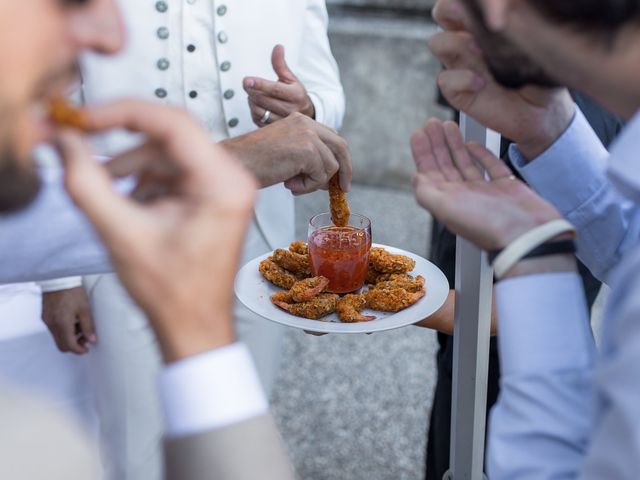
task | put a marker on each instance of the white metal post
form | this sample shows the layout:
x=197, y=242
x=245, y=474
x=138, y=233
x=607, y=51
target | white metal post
x=474, y=287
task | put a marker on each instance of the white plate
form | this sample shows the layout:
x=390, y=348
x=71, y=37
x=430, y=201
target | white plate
x=255, y=292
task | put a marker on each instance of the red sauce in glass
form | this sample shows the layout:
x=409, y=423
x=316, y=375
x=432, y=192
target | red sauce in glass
x=341, y=255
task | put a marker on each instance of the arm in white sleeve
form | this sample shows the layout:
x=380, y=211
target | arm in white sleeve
x=60, y=284
x=318, y=70
x=541, y=424
x=571, y=175
x=49, y=239
x=211, y=391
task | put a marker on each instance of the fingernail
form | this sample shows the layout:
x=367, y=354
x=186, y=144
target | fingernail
x=250, y=83
x=93, y=339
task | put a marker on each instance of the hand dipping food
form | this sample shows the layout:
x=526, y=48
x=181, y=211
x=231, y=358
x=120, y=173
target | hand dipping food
x=340, y=254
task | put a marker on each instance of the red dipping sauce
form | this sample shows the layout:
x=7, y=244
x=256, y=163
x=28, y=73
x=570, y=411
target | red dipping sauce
x=341, y=255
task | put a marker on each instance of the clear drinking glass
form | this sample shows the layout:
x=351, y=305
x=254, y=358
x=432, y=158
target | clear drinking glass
x=340, y=253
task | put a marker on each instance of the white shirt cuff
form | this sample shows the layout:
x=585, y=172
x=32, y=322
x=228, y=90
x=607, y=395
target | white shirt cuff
x=212, y=390
x=543, y=323
x=60, y=284
x=318, y=107
x=571, y=171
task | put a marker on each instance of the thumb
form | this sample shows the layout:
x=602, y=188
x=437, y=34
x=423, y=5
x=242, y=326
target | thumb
x=90, y=187
x=280, y=66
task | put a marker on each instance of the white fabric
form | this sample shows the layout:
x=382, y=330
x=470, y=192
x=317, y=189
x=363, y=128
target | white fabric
x=210, y=391
x=60, y=284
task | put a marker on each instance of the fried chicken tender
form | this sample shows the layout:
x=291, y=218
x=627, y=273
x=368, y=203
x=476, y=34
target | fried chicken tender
x=299, y=247
x=306, y=290
x=372, y=275
x=385, y=262
x=338, y=205
x=349, y=308
x=320, y=306
x=392, y=300
x=293, y=262
x=62, y=113
x=276, y=274
x=407, y=282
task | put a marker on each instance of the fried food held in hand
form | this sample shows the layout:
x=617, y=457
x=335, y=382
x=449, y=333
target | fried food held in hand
x=320, y=306
x=385, y=262
x=276, y=274
x=407, y=282
x=392, y=300
x=299, y=247
x=63, y=114
x=338, y=205
x=305, y=290
x=293, y=262
x=349, y=308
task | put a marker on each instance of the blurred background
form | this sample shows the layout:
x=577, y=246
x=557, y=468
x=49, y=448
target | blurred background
x=357, y=407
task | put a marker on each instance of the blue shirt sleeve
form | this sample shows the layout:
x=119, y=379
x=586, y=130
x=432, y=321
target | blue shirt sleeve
x=572, y=175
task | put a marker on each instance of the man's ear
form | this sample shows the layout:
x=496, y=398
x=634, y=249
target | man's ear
x=495, y=13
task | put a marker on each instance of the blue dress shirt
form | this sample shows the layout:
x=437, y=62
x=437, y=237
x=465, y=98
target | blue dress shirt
x=566, y=411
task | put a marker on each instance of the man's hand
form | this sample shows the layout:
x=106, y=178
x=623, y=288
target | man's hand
x=67, y=315
x=281, y=98
x=298, y=151
x=453, y=188
x=176, y=242
x=533, y=117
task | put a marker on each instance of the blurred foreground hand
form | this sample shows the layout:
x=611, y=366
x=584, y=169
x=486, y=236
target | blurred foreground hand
x=176, y=241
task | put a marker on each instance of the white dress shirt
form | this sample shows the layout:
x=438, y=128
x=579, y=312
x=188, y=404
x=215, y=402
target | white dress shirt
x=562, y=411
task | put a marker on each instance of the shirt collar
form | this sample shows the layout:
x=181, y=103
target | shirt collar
x=624, y=163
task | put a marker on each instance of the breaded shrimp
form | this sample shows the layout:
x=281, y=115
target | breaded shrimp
x=293, y=262
x=349, y=308
x=392, y=300
x=276, y=274
x=64, y=114
x=407, y=282
x=305, y=290
x=320, y=306
x=299, y=247
x=385, y=262
x=338, y=205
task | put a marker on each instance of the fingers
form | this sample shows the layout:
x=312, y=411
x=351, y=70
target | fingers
x=340, y=149
x=277, y=106
x=90, y=186
x=440, y=149
x=460, y=86
x=463, y=162
x=457, y=50
x=86, y=326
x=319, y=172
x=423, y=156
x=259, y=86
x=450, y=15
x=495, y=167
x=280, y=66
x=258, y=113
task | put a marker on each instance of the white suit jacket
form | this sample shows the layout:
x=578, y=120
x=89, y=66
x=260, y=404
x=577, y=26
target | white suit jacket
x=169, y=56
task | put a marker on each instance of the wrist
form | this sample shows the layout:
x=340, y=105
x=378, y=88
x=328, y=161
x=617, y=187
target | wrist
x=555, y=122
x=181, y=337
x=550, y=264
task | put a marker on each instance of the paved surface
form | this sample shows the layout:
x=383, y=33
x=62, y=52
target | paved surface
x=356, y=407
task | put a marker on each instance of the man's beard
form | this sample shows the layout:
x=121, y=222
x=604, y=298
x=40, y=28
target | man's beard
x=19, y=185
x=509, y=66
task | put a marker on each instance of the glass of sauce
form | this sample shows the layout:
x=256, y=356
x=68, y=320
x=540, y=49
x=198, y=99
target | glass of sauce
x=340, y=253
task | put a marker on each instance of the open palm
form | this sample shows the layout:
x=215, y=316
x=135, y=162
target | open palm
x=489, y=210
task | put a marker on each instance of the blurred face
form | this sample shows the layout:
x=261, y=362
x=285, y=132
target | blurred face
x=509, y=65
x=39, y=43
x=604, y=65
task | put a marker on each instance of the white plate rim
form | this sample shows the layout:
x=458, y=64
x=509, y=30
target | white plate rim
x=437, y=292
